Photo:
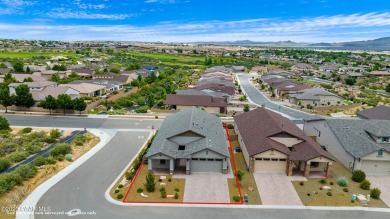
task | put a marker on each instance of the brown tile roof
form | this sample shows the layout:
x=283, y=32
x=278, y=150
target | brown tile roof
x=258, y=126
x=53, y=91
x=295, y=88
x=84, y=88
x=216, y=87
x=379, y=113
x=194, y=100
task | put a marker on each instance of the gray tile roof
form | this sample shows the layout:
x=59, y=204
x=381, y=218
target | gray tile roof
x=379, y=112
x=202, y=93
x=207, y=126
x=311, y=94
x=353, y=134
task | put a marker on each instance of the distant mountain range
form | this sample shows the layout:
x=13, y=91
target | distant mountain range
x=381, y=44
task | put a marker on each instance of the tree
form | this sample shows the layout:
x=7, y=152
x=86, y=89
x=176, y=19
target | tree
x=29, y=79
x=388, y=88
x=4, y=125
x=55, y=78
x=59, y=67
x=246, y=108
x=28, y=69
x=18, y=66
x=79, y=104
x=8, y=78
x=350, y=81
x=49, y=103
x=151, y=100
x=6, y=99
x=64, y=102
x=240, y=174
x=150, y=183
x=55, y=134
x=23, y=96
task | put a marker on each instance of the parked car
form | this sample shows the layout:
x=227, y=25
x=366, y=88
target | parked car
x=238, y=149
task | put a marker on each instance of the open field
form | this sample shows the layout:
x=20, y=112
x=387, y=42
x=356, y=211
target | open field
x=32, y=54
x=172, y=58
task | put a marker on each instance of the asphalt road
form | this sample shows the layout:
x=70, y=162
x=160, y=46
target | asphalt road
x=257, y=97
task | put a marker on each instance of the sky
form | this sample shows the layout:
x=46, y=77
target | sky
x=195, y=20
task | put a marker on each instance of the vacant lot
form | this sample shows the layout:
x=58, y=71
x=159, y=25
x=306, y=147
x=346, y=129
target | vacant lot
x=33, y=54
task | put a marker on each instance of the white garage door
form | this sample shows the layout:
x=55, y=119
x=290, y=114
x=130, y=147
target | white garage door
x=376, y=167
x=270, y=165
x=206, y=165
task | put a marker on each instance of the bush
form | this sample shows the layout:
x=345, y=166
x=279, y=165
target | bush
x=16, y=157
x=375, y=193
x=139, y=190
x=25, y=130
x=61, y=157
x=176, y=196
x=162, y=189
x=4, y=125
x=120, y=186
x=39, y=161
x=26, y=171
x=164, y=194
x=62, y=148
x=342, y=181
x=301, y=183
x=68, y=157
x=159, y=180
x=365, y=184
x=79, y=140
x=55, y=133
x=51, y=160
x=120, y=196
x=345, y=189
x=240, y=174
x=150, y=183
x=230, y=126
x=358, y=175
x=177, y=189
x=129, y=175
x=322, y=181
x=33, y=149
x=142, y=109
x=4, y=164
x=116, y=190
x=156, y=117
x=236, y=198
x=329, y=193
x=169, y=180
x=331, y=183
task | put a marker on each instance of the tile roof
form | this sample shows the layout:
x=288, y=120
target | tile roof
x=206, y=125
x=202, y=93
x=216, y=87
x=311, y=94
x=84, y=88
x=53, y=91
x=256, y=128
x=194, y=100
x=379, y=112
x=35, y=84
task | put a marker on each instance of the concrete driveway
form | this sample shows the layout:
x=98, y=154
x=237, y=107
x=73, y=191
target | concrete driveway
x=383, y=183
x=206, y=187
x=277, y=189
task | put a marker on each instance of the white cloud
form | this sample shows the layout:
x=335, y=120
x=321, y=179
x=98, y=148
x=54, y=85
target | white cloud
x=14, y=6
x=64, y=13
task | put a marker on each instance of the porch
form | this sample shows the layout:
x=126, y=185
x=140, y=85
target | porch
x=314, y=168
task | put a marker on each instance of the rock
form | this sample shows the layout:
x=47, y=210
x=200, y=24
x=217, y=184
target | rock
x=326, y=187
x=163, y=177
x=170, y=196
x=163, y=184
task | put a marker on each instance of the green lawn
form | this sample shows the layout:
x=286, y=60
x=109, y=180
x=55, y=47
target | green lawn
x=348, y=102
x=173, y=58
x=339, y=197
x=32, y=54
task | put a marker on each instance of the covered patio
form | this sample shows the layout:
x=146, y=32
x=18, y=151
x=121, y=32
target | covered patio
x=319, y=167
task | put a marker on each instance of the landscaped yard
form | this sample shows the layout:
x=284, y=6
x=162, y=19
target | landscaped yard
x=155, y=196
x=311, y=194
x=248, y=182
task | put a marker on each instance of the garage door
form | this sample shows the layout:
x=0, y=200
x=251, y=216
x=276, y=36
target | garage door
x=270, y=165
x=376, y=167
x=206, y=165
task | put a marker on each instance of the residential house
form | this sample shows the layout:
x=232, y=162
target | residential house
x=379, y=113
x=21, y=77
x=355, y=75
x=192, y=141
x=49, y=73
x=33, y=86
x=273, y=143
x=283, y=91
x=87, y=89
x=238, y=69
x=315, y=97
x=356, y=143
x=259, y=69
x=110, y=85
x=123, y=78
x=227, y=87
x=379, y=73
x=40, y=95
x=208, y=103
x=301, y=67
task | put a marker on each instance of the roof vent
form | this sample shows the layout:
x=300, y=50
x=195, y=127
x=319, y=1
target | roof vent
x=346, y=127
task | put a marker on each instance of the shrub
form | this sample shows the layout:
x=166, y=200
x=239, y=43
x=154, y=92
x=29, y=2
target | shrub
x=345, y=189
x=61, y=157
x=26, y=171
x=322, y=181
x=159, y=180
x=129, y=175
x=139, y=190
x=142, y=109
x=329, y=193
x=116, y=190
x=120, y=196
x=375, y=193
x=17, y=157
x=4, y=164
x=177, y=189
x=342, y=181
x=156, y=117
x=62, y=148
x=33, y=149
x=236, y=198
x=176, y=196
x=150, y=183
x=164, y=194
x=358, y=175
x=162, y=188
x=365, y=184
x=240, y=174
x=55, y=133
x=230, y=126
x=39, y=161
x=169, y=180
x=301, y=183
x=4, y=125
x=120, y=186
x=50, y=160
x=25, y=130
x=331, y=183
x=68, y=157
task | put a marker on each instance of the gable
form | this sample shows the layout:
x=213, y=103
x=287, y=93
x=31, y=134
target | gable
x=185, y=138
x=286, y=139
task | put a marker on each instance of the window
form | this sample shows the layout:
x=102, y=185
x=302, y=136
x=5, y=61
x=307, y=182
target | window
x=162, y=161
x=194, y=158
x=258, y=158
x=319, y=134
x=274, y=159
x=385, y=139
x=266, y=159
x=202, y=159
x=314, y=164
x=282, y=159
x=182, y=147
x=380, y=153
x=210, y=159
x=218, y=159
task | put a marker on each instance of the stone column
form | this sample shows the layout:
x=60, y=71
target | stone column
x=289, y=168
x=188, y=171
x=251, y=164
x=328, y=172
x=150, y=168
x=224, y=166
x=171, y=166
x=306, y=173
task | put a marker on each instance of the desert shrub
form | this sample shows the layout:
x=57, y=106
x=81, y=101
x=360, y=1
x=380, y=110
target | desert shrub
x=61, y=157
x=9, y=180
x=236, y=198
x=51, y=160
x=375, y=193
x=142, y=109
x=352, y=201
x=329, y=193
x=33, y=149
x=342, y=181
x=177, y=189
x=331, y=183
x=79, y=140
x=39, y=161
x=156, y=117
x=4, y=124
x=322, y=181
x=62, y=148
x=301, y=183
x=139, y=190
x=164, y=194
x=25, y=130
x=68, y=157
x=230, y=126
x=345, y=189
x=4, y=164
x=162, y=188
x=358, y=175
x=120, y=196
x=129, y=175
x=159, y=180
x=365, y=184
x=120, y=186
x=55, y=133
x=176, y=196
x=16, y=157
x=169, y=180
x=26, y=171
x=116, y=191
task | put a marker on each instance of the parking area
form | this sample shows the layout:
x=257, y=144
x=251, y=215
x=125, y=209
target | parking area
x=277, y=189
x=383, y=183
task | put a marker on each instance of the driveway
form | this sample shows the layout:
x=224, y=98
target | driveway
x=277, y=189
x=383, y=183
x=206, y=187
